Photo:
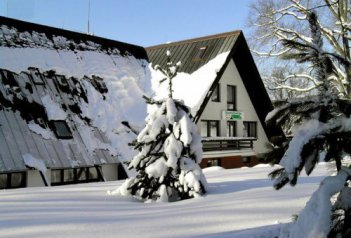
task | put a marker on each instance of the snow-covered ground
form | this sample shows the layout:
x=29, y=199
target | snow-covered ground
x=240, y=203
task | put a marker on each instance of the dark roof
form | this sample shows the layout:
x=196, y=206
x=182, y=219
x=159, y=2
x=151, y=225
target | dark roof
x=21, y=104
x=186, y=51
x=233, y=42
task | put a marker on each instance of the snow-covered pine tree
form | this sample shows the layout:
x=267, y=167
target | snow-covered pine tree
x=322, y=133
x=170, y=150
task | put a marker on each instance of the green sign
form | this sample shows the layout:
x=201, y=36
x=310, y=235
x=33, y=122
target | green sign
x=233, y=115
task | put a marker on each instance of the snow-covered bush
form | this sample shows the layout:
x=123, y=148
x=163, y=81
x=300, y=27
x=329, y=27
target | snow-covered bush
x=169, y=152
x=322, y=133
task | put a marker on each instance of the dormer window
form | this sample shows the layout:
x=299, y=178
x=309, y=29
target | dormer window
x=200, y=53
x=37, y=78
x=62, y=80
x=61, y=130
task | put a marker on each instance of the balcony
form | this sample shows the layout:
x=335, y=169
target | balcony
x=227, y=143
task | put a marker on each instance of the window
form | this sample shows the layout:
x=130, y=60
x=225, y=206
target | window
x=213, y=162
x=231, y=98
x=76, y=175
x=209, y=128
x=216, y=96
x=93, y=174
x=200, y=53
x=250, y=129
x=82, y=174
x=62, y=81
x=13, y=180
x=3, y=181
x=8, y=78
x=56, y=176
x=68, y=175
x=231, y=128
x=61, y=130
x=37, y=78
x=247, y=160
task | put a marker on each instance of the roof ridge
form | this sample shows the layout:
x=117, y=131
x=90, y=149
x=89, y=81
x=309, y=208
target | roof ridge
x=202, y=38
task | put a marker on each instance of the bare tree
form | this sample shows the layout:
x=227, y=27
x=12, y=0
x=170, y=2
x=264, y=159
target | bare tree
x=273, y=21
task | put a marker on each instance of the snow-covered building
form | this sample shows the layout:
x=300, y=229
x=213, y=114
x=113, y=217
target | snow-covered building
x=63, y=98
x=219, y=81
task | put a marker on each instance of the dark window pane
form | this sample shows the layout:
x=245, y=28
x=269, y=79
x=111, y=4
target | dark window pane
x=17, y=179
x=56, y=176
x=3, y=181
x=231, y=97
x=200, y=53
x=61, y=129
x=246, y=160
x=216, y=94
x=250, y=129
x=68, y=175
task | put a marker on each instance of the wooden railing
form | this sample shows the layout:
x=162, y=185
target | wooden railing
x=227, y=143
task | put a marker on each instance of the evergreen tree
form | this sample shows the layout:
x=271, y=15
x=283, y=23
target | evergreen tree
x=170, y=150
x=322, y=133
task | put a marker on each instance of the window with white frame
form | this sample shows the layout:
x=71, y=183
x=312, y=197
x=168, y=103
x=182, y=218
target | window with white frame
x=231, y=128
x=209, y=128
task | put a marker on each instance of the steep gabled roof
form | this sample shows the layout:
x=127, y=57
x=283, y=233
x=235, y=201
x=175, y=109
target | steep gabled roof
x=49, y=74
x=234, y=47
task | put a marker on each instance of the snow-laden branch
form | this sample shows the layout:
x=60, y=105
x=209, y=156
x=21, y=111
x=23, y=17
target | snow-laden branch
x=313, y=128
x=315, y=219
x=269, y=54
x=296, y=89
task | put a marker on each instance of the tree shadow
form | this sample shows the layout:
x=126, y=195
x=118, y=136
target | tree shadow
x=270, y=231
x=237, y=186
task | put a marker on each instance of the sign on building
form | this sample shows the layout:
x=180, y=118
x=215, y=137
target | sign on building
x=233, y=115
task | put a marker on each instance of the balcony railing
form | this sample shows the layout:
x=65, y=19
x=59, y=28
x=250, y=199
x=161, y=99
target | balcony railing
x=227, y=143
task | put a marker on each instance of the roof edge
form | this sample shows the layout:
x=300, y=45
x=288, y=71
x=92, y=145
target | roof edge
x=202, y=38
x=136, y=50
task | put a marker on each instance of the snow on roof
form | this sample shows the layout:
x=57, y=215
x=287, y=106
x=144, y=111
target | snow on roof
x=126, y=79
x=191, y=88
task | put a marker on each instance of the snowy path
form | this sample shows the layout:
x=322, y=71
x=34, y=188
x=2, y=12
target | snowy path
x=240, y=203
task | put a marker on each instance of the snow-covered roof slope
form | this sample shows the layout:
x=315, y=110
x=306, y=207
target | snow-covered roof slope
x=91, y=83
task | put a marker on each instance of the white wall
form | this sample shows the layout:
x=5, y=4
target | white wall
x=34, y=179
x=109, y=171
x=213, y=110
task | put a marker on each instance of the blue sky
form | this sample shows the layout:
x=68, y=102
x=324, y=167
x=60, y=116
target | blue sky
x=141, y=22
